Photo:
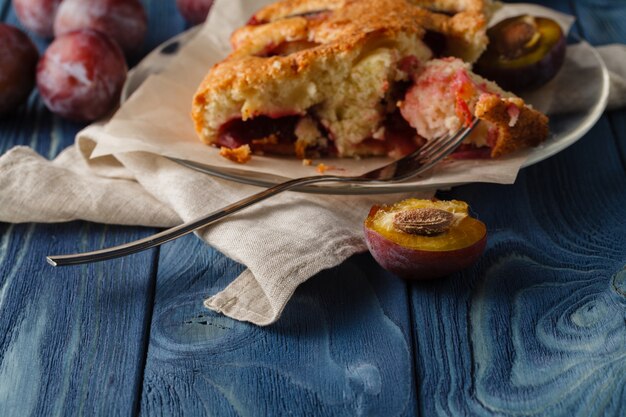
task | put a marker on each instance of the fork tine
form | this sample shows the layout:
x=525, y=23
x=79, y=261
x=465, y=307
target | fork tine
x=435, y=143
x=435, y=154
x=453, y=144
x=440, y=143
x=421, y=161
x=431, y=143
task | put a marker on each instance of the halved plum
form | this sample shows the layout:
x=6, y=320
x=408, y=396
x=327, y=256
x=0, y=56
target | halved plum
x=424, y=239
x=524, y=52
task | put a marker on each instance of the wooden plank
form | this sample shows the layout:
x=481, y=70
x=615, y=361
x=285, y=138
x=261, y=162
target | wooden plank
x=74, y=339
x=342, y=346
x=601, y=21
x=5, y=5
x=603, y=24
x=618, y=124
x=537, y=326
x=164, y=22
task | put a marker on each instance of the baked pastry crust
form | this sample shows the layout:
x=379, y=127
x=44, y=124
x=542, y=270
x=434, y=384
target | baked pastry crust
x=336, y=35
x=334, y=65
x=519, y=126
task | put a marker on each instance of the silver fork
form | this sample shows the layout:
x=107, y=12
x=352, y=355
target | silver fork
x=410, y=166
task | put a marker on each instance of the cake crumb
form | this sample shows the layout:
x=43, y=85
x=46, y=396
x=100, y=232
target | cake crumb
x=322, y=168
x=268, y=140
x=240, y=155
x=307, y=162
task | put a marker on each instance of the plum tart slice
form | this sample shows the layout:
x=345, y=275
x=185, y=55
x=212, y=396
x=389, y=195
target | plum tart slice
x=352, y=78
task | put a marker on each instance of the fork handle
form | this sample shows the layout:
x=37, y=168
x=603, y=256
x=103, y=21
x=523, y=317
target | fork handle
x=190, y=226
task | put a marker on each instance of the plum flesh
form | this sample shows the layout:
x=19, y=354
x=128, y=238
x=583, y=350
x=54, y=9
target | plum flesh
x=428, y=255
x=524, y=53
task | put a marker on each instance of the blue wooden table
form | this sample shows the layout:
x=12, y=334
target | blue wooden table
x=537, y=327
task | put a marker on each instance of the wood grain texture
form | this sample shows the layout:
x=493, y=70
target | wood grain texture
x=341, y=348
x=617, y=120
x=72, y=340
x=164, y=21
x=537, y=327
x=601, y=21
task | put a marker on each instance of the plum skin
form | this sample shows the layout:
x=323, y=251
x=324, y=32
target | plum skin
x=125, y=21
x=415, y=264
x=81, y=75
x=18, y=61
x=37, y=15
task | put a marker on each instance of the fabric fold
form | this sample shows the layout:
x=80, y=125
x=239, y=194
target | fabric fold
x=282, y=241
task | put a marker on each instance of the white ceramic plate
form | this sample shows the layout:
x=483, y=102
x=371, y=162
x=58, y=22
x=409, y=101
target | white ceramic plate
x=574, y=100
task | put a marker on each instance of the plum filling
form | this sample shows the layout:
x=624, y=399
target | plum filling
x=308, y=136
x=261, y=129
x=400, y=138
x=274, y=135
x=277, y=135
x=471, y=151
x=443, y=99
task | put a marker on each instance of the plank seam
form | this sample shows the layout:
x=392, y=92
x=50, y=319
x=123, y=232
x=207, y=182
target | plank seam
x=621, y=154
x=611, y=121
x=572, y=5
x=414, y=354
x=148, y=327
x=4, y=10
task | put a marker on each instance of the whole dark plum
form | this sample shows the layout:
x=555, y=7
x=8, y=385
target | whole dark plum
x=37, y=15
x=81, y=75
x=125, y=21
x=18, y=60
x=194, y=11
x=524, y=53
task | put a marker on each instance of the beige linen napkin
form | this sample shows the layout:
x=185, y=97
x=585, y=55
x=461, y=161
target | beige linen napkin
x=614, y=57
x=282, y=241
